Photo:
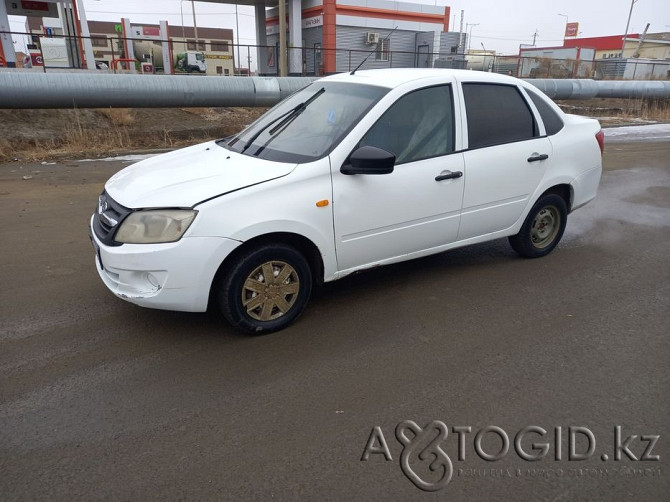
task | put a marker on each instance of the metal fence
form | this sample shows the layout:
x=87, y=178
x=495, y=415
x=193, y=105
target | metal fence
x=54, y=52
x=601, y=69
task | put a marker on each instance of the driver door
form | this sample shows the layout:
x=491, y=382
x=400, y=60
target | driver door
x=415, y=208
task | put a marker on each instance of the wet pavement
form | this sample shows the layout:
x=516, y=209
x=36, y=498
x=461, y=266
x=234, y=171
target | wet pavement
x=100, y=399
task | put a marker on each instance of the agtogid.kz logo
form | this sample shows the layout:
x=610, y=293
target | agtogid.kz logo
x=426, y=463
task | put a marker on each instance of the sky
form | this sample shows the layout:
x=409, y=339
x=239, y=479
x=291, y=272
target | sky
x=496, y=25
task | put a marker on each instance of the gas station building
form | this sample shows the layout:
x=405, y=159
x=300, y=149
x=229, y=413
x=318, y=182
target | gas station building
x=294, y=37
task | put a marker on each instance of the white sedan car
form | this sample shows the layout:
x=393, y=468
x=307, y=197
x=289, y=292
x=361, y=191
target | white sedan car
x=353, y=171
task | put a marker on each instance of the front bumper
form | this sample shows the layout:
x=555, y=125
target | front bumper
x=171, y=276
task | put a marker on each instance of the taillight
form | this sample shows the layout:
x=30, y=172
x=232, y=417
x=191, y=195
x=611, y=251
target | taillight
x=600, y=137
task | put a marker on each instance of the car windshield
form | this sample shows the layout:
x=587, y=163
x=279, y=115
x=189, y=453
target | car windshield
x=308, y=124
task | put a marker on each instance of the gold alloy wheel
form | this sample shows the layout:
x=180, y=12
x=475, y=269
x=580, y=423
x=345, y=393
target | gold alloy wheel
x=545, y=226
x=270, y=290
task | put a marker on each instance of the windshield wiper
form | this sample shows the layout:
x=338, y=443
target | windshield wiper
x=285, y=118
x=296, y=111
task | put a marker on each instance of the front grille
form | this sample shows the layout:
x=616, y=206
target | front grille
x=107, y=218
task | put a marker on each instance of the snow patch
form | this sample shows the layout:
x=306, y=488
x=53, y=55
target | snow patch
x=653, y=132
x=122, y=158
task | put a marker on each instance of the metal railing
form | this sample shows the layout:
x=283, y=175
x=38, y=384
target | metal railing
x=601, y=69
x=108, y=49
x=227, y=59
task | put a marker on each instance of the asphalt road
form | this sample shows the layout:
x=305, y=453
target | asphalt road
x=100, y=399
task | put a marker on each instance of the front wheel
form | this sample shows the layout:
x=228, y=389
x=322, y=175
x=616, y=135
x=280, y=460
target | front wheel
x=543, y=228
x=265, y=290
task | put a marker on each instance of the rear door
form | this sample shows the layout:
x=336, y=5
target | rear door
x=507, y=156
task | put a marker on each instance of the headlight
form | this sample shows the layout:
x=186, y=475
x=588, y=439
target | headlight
x=154, y=226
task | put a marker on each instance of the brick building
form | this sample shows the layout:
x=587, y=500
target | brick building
x=107, y=40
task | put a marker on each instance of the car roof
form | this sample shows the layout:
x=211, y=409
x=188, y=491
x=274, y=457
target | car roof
x=394, y=77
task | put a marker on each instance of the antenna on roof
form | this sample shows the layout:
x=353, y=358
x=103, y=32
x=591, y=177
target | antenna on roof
x=374, y=50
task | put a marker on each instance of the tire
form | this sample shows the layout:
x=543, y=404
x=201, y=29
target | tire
x=251, y=304
x=543, y=228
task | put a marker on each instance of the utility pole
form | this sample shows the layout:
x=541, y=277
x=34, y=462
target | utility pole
x=468, y=28
x=195, y=26
x=630, y=13
x=535, y=36
x=461, y=36
x=565, y=29
x=181, y=11
x=237, y=32
x=636, y=53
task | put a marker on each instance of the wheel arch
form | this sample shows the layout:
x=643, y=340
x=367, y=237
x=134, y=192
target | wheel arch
x=563, y=190
x=301, y=243
x=560, y=187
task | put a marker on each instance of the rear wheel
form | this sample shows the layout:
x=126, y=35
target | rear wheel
x=265, y=290
x=543, y=228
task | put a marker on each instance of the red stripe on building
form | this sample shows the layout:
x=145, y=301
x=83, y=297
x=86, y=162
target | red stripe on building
x=395, y=15
x=369, y=12
x=612, y=42
x=306, y=14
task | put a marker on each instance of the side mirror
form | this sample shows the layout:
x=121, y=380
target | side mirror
x=369, y=160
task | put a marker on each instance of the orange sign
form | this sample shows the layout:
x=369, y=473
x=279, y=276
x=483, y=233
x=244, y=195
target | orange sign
x=571, y=29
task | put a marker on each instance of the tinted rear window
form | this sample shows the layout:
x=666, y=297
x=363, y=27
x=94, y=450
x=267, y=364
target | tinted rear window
x=552, y=120
x=497, y=114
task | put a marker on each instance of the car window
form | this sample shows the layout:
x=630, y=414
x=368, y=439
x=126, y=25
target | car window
x=552, y=121
x=308, y=124
x=497, y=114
x=419, y=125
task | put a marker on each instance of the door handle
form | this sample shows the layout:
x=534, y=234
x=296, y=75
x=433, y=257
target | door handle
x=536, y=157
x=447, y=175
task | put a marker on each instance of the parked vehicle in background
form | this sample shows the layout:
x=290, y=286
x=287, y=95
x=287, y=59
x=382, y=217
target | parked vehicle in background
x=191, y=61
x=354, y=171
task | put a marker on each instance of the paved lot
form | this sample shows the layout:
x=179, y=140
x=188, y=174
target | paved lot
x=100, y=399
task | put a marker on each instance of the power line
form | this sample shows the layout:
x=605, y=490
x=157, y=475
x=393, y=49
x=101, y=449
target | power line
x=519, y=38
x=167, y=13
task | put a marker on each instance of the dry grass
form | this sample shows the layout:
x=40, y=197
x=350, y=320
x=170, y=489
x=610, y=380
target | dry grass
x=657, y=110
x=44, y=134
x=120, y=117
x=6, y=150
x=82, y=144
x=647, y=109
x=77, y=139
x=209, y=114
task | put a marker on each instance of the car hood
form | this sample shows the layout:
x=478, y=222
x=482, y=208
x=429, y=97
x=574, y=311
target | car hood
x=184, y=177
